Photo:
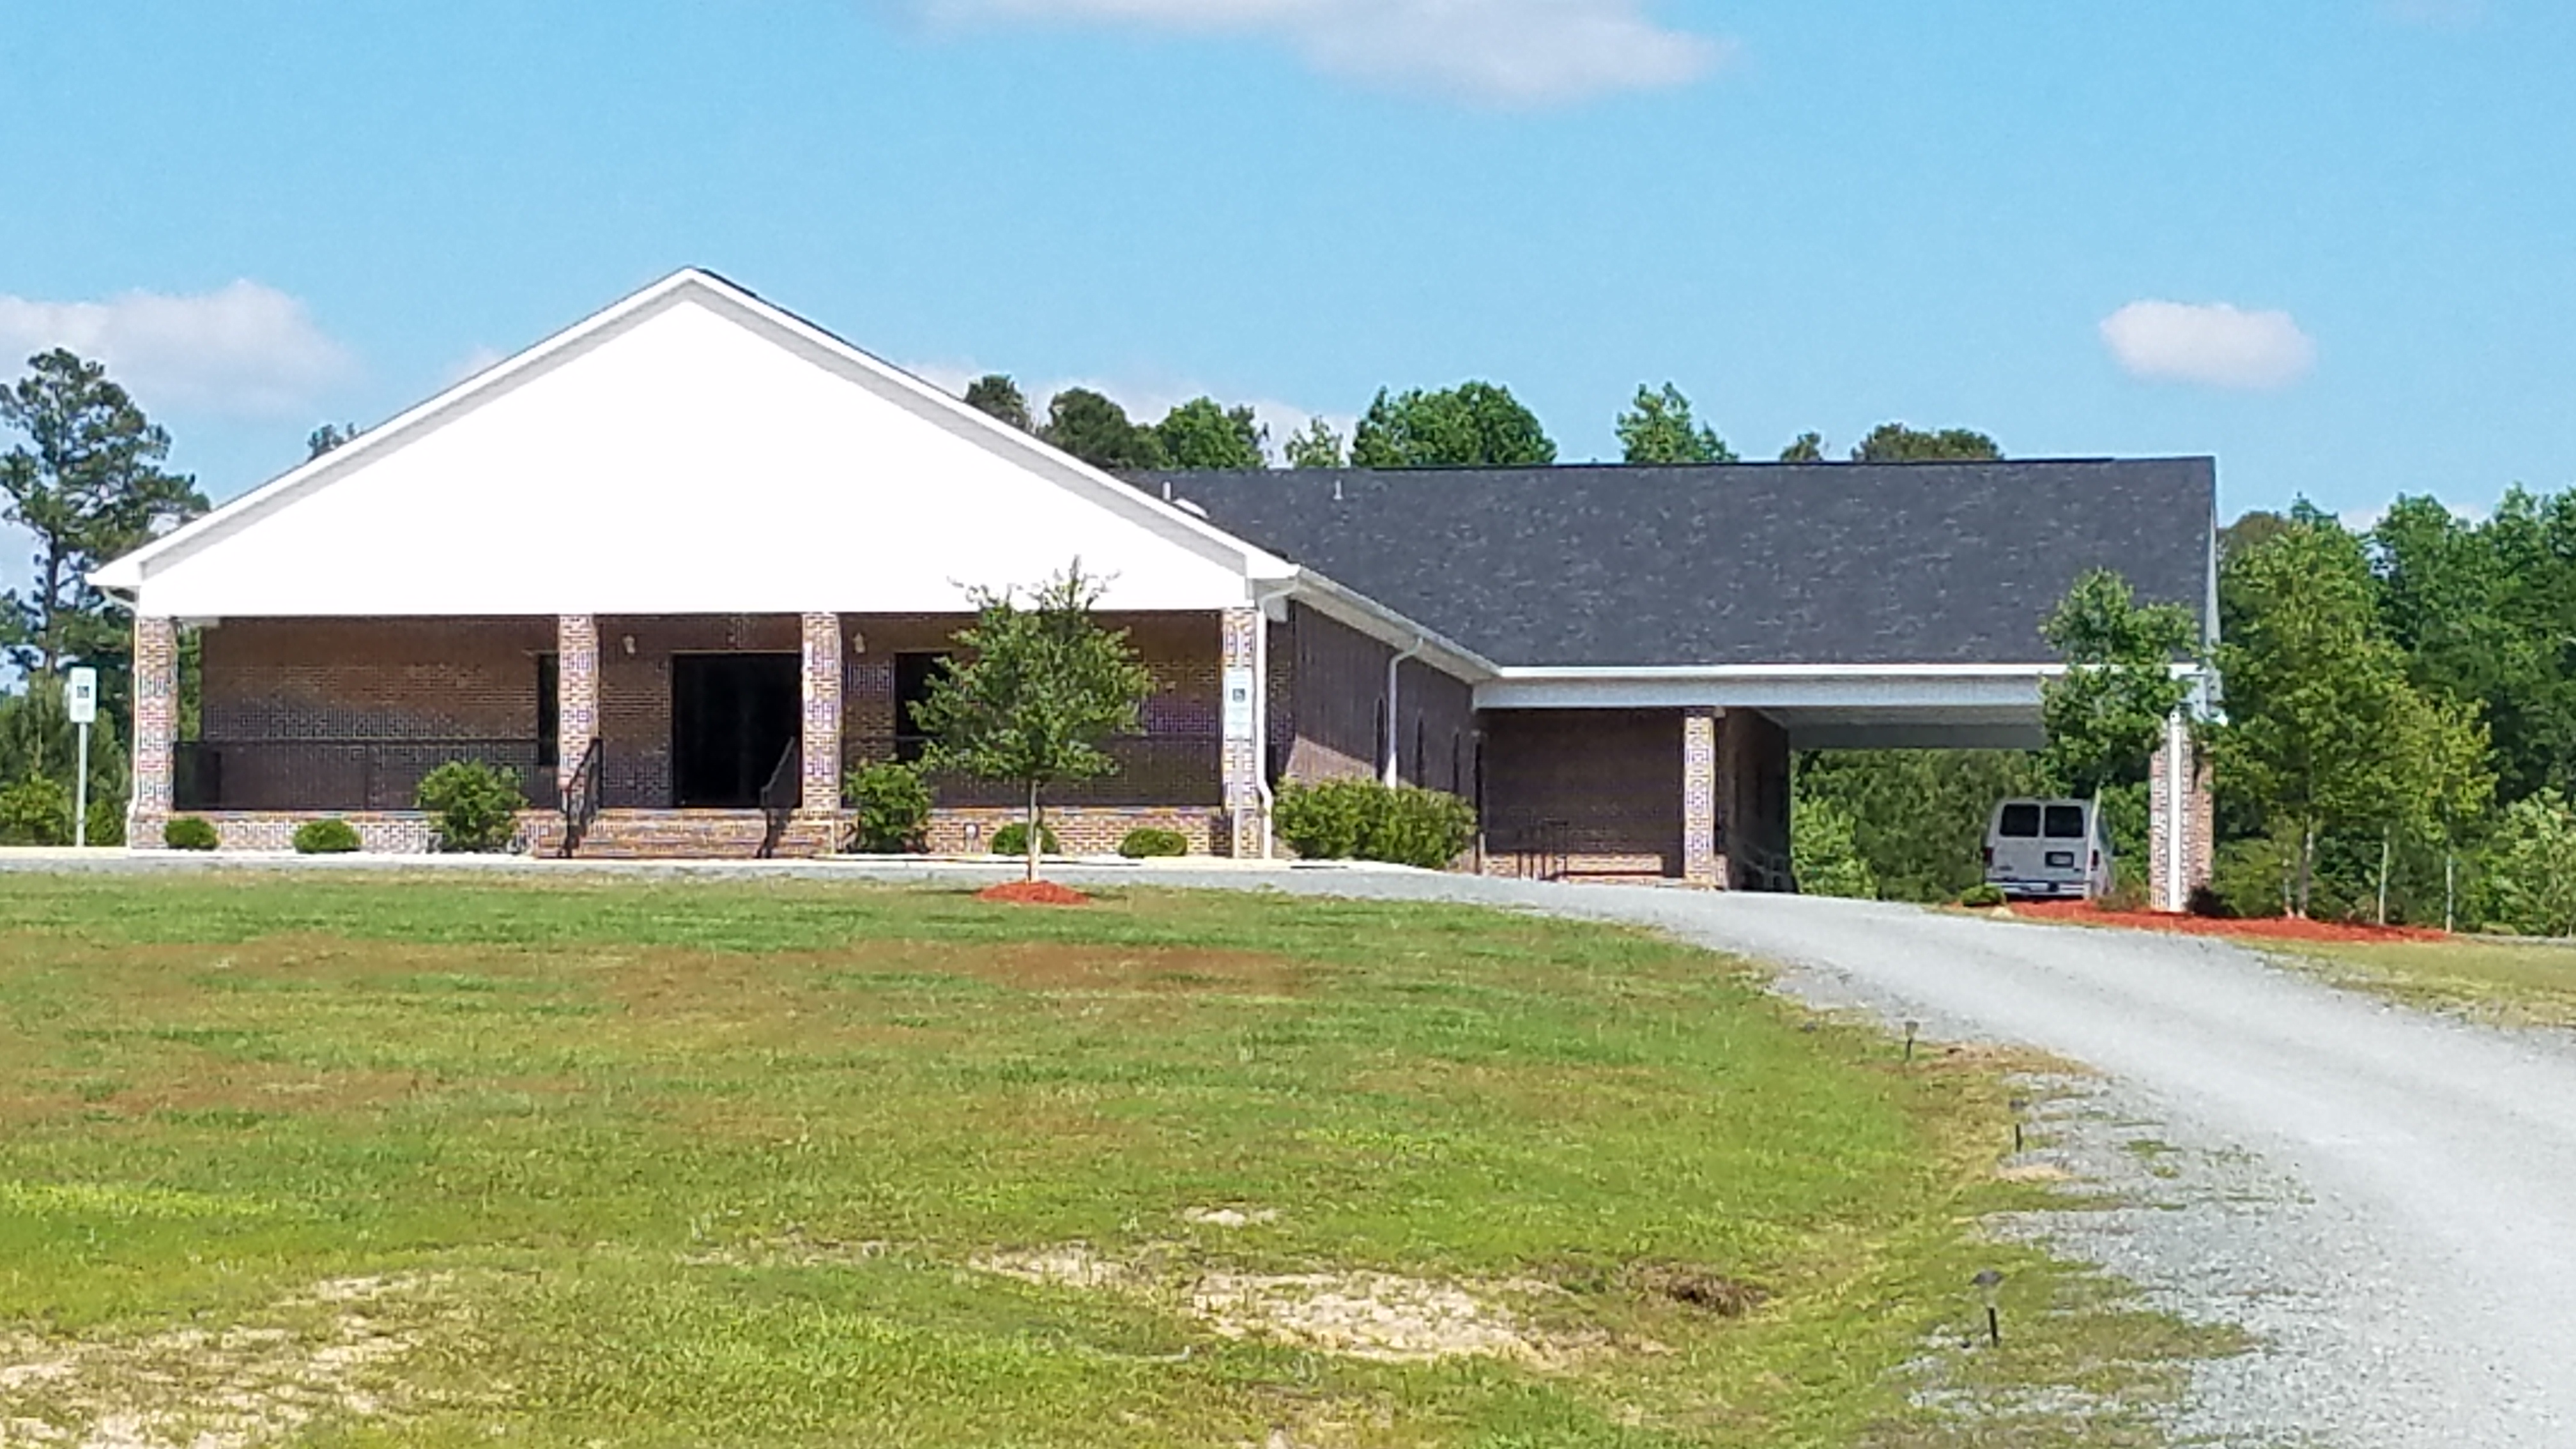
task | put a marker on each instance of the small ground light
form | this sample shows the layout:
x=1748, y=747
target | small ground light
x=1990, y=1287
x=2019, y=1105
x=1911, y=1027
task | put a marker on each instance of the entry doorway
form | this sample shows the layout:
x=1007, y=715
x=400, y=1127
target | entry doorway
x=732, y=719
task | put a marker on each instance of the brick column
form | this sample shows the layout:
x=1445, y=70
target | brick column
x=576, y=692
x=822, y=754
x=156, y=730
x=1239, y=686
x=2177, y=763
x=1701, y=864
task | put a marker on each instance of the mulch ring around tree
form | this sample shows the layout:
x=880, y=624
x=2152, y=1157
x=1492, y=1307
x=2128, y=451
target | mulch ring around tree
x=2275, y=929
x=1033, y=893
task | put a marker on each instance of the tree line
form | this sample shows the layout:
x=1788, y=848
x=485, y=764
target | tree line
x=1475, y=424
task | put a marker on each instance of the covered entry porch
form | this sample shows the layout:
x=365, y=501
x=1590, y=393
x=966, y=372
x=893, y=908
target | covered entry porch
x=631, y=734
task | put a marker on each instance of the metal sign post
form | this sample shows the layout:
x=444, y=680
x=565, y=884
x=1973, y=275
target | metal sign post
x=83, y=702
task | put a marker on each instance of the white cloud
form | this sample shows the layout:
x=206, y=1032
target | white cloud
x=1501, y=52
x=2214, y=344
x=245, y=348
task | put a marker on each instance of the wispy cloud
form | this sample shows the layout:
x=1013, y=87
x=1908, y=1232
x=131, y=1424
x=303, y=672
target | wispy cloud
x=243, y=349
x=1496, y=52
x=2214, y=344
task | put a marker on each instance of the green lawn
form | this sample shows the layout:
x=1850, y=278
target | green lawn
x=2520, y=983
x=426, y=1161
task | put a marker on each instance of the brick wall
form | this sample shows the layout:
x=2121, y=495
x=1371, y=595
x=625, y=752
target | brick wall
x=1753, y=824
x=1583, y=792
x=1179, y=652
x=1328, y=703
x=376, y=679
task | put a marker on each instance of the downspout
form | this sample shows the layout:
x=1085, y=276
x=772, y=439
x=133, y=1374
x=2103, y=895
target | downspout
x=1394, y=740
x=1261, y=718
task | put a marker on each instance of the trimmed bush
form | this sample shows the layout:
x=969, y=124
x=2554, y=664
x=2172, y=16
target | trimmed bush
x=892, y=803
x=1364, y=820
x=187, y=832
x=1013, y=839
x=473, y=807
x=326, y=837
x=1147, y=843
x=36, y=811
x=1982, y=897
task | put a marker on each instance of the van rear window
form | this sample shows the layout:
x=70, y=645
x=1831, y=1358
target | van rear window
x=2020, y=822
x=2066, y=822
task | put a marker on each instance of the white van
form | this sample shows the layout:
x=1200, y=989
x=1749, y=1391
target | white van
x=2049, y=848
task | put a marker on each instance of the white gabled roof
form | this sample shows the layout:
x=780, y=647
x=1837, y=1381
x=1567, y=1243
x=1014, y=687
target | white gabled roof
x=690, y=450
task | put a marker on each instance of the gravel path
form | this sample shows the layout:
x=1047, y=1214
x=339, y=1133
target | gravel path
x=2386, y=1197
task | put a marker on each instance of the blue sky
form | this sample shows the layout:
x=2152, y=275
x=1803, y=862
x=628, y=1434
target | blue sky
x=2332, y=242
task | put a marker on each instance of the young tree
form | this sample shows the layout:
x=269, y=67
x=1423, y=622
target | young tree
x=2535, y=866
x=1897, y=443
x=2107, y=712
x=1034, y=692
x=1315, y=445
x=1200, y=434
x=2323, y=728
x=1472, y=425
x=995, y=395
x=1658, y=428
x=1804, y=448
x=1099, y=432
x=88, y=483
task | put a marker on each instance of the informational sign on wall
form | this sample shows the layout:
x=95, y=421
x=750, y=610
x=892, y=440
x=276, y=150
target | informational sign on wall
x=84, y=696
x=1238, y=704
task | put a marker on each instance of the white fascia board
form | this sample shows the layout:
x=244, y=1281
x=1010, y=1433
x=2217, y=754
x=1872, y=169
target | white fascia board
x=1931, y=687
x=1366, y=615
x=125, y=577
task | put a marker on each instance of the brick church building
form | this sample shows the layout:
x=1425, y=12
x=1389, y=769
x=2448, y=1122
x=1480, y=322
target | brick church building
x=685, y=563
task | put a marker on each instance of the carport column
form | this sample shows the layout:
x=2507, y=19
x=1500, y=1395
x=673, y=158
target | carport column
x=576, y=692
x=2181, y=818
x=1701, y=864
x=821, y=785
x=156, y=729
x=1239, y=769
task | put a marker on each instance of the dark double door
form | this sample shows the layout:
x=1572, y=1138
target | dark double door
x=732, y=718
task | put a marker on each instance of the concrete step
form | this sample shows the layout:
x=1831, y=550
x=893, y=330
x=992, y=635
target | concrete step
x=684, y=835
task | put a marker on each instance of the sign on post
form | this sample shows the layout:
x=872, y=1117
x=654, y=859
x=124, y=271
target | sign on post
x=1238, y=704
x=82, y=700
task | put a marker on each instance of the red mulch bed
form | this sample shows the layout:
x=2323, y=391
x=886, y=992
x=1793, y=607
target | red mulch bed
x=2275, y=929
x=1034, y=893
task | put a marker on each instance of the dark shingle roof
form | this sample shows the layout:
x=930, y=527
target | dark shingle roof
x=1847, y=563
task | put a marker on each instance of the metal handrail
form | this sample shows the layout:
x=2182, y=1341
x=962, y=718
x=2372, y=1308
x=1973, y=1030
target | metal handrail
x=780, y=797
x=581, y=798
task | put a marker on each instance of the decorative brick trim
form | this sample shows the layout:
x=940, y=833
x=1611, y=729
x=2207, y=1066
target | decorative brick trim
x=2199, y=819
x=1083, y=830
x=380, y=832
x=821, y=783
x=1701, y=863
x=1238, y=630
x=576, y=692
x=156, y=729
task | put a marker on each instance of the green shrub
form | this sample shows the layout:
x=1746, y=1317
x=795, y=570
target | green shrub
x=326, y=837
x=473, y=807
x=892, y=803
x=106, y=821
x=1147, y=843
x=2249, y=879
x=1013, y=839
x=1824, y=851
x=187, y=832
x=1364, y=820
x=1983, y=897
x=2531, y=868
x=36, y=811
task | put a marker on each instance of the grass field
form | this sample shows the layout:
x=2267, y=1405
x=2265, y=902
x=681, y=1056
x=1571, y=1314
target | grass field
x=424, y=1161
x=2518, y=983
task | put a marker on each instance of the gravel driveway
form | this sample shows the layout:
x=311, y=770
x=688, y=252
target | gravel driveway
x=2385, y=1197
